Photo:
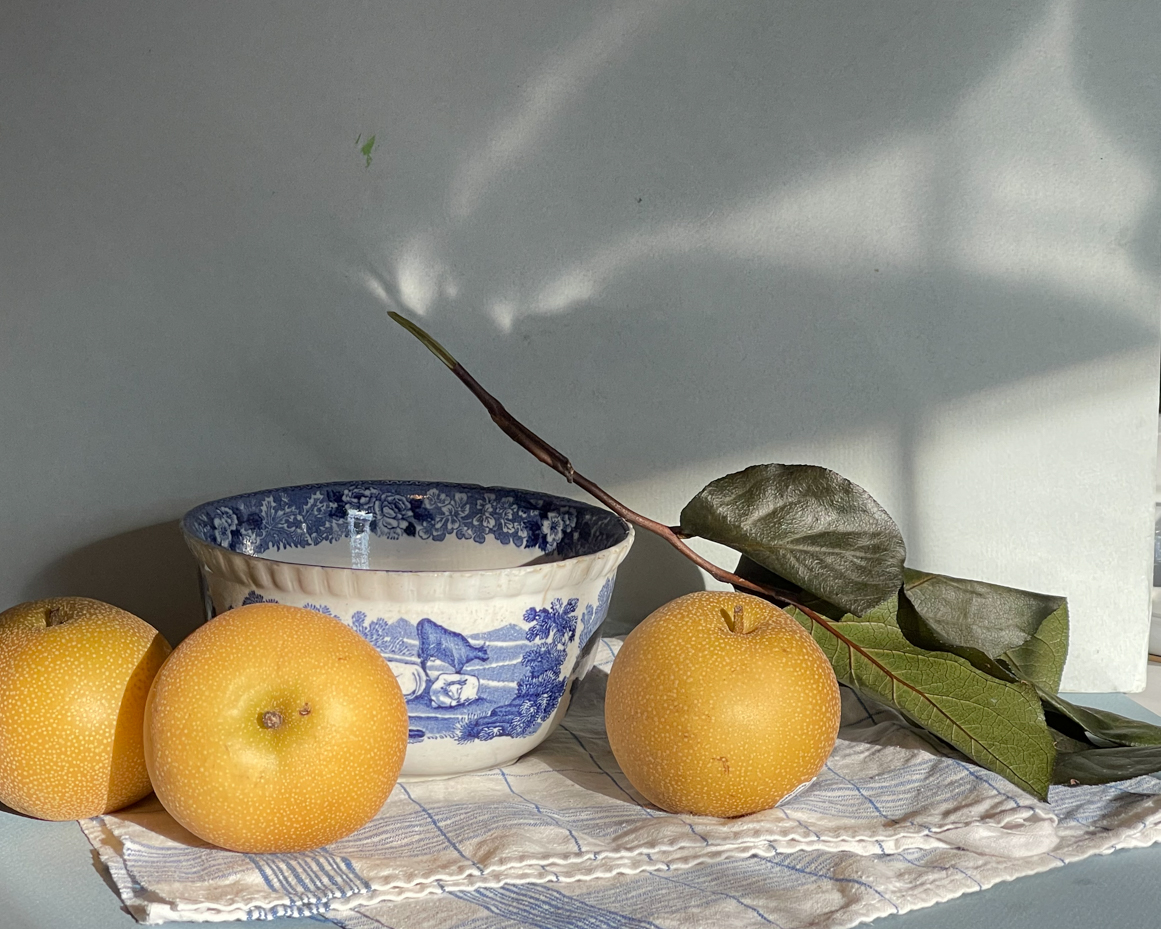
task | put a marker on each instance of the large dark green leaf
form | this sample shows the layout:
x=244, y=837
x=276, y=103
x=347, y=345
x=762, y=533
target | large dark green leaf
x=923, y=635
x=1103, y=724
x=807, y=524
x=1079, y=761
x=1105, y=765
x=1041, y=658
x=997, y=724
x=985, y=622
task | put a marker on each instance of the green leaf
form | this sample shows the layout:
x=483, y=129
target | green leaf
x=1105, y=725
x=997, y=724
x=807, y=524
x=1106, y=765
x=365, y=150
x=1065, y=742
x=886, y=612
x=985, y=622
x=1041, y=658
x=923, y=635
x=1135, y=748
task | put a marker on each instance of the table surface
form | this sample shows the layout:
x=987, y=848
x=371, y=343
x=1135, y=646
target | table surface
x=49, y=878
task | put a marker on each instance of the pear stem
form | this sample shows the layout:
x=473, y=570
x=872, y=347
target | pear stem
x=736, y=621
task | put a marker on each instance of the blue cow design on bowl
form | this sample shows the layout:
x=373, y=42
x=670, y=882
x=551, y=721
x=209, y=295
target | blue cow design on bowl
x=447, y=646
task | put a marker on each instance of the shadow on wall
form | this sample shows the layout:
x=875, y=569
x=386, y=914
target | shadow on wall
x=652, y=574
x=1015, y=180
x=147, y=571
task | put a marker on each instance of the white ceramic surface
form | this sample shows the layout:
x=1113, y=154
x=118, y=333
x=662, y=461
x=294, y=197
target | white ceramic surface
x=486, y=601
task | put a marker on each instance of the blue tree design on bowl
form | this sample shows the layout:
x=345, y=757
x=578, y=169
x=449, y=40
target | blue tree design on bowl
x=539, y=691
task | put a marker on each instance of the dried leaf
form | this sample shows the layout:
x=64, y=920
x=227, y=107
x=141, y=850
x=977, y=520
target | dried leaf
x=807, y=524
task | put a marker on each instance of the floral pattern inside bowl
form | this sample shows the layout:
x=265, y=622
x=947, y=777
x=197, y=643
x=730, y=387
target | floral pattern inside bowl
x=352, y=525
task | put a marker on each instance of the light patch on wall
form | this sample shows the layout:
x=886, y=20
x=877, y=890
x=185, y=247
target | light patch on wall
x=1019, y=184
x=422, y=277
x=377, y=288
x=1043, y=193
x=869, y=210
x=543, y=100
x=568, y=291
x=1017, y=428
x=503, y=313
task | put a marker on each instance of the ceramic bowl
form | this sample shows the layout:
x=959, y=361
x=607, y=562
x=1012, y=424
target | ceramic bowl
x=485, y=601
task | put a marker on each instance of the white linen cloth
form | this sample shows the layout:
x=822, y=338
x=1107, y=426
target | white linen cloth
x=560, y=838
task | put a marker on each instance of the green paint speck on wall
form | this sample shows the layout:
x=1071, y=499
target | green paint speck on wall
x=365, y=148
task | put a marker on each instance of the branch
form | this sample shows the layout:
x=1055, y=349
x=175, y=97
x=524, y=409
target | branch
x=525, y=437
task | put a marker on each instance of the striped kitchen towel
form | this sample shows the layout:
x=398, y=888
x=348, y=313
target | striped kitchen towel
x=560, y=838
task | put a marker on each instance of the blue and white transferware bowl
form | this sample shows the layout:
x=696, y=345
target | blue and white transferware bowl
x=485, y=600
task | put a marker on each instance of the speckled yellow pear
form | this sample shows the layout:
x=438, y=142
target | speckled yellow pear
x=74, y=676
x=274, y=728
x=720, y=704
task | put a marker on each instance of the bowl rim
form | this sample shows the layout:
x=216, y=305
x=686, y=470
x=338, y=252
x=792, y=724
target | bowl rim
x=193, y=539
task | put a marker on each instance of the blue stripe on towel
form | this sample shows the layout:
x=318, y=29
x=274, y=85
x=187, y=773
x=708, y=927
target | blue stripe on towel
x=545, y=907
x=447, y=838
x=717, y=893
x=536, y=806
x=783, y=862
